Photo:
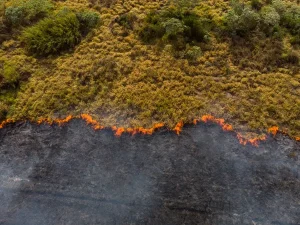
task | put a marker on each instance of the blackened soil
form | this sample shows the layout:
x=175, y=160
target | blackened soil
x=74, y=175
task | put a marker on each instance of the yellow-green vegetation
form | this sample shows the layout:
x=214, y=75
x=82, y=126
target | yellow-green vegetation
x=145, y=63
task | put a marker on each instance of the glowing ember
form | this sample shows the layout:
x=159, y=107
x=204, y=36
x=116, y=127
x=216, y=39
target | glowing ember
x=273, y=130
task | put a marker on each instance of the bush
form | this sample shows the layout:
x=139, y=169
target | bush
x=196, y=28
x=153, y=28
x=269, y=19
x=175, y=27
x=241, y=20
x=192, y=53
x=52, y=35
x=279, y=5
x=24, y=12
x=88, y=20
x=14, y=16
x=291, y=19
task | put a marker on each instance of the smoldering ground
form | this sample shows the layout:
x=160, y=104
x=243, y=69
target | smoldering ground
x=75, y=175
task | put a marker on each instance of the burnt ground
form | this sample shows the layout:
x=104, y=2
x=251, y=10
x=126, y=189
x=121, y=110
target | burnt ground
x=75, y=175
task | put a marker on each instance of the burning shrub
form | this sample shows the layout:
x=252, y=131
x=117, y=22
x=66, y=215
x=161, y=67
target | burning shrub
x=52, y=35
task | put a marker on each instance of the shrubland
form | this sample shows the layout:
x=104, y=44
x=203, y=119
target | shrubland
x=154, y=61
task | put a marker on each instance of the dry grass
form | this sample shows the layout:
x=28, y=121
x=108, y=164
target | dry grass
x=121, y=81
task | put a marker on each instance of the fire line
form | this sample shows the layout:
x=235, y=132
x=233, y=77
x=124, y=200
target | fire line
x=148, y=131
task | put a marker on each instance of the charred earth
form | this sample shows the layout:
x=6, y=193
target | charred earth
x=75, y=175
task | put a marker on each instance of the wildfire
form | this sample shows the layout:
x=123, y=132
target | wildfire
x=138, y=130
x=221, y=122
x=148, y=131
x=58, y=121
x=227, y=127
x=178, y=127
x=89, y=120
x=273, y=130
x=5, y=122
x=252, y=141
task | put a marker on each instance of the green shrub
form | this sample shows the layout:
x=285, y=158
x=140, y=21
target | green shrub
x=52, y=35
x=14, y=16
x=22, y=12
x=269, y=19
x=152, y=29
x=279, y=5
x=88, y=20
x=174, y=26
x=196, y=28
x=192, y=53
x=241, y=20
x=291, y=19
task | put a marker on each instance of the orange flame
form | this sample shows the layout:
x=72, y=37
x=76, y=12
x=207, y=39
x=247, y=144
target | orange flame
x=89, y=120
x=178, y=127
x=229, y=127
x=148, y=131
x=5, y=122
x=138, y=130
x=252, y=141
x=221, y=122
x=273, y=130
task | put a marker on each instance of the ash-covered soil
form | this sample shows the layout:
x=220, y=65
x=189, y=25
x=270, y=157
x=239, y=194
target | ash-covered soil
x=74, y=175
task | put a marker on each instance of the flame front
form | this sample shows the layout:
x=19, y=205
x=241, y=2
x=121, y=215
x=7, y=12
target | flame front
x=148, y=131
x=229, y=127
x=138, y=130
x=221, y=122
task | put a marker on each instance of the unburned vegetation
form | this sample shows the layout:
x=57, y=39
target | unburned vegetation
x=137, y=62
